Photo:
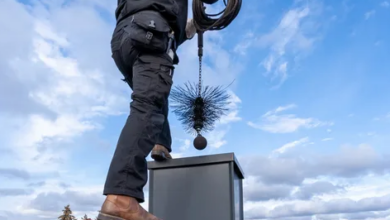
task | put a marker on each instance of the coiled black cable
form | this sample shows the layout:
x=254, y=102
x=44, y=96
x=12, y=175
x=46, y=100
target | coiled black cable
x=206, y=22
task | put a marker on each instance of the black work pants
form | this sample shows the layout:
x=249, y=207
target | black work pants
x=150, y=77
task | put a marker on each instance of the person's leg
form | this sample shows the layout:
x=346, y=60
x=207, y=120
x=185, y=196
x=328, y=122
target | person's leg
x=162, y=149
x=165, y=138
x=122, y=205
x=128, y=170
x=151, y=86
x=150, y=78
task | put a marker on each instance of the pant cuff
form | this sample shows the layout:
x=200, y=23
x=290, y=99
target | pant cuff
x=139, y=196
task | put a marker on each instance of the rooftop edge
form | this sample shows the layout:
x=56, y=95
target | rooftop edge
x=196, y=161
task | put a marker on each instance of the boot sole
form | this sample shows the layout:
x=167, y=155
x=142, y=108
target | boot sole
x=158, y=155
x=103, y=216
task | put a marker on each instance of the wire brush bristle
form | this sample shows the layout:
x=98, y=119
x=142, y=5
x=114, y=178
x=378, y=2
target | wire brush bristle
x=184, y=98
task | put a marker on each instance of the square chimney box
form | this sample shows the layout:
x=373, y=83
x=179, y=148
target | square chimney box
x=197, y=188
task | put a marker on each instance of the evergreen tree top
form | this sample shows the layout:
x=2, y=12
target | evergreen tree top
x=67, y=214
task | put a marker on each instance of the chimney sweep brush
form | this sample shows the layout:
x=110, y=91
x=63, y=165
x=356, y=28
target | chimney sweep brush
x=198, y=107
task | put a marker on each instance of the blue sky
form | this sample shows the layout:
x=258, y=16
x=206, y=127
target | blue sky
x=309, y=119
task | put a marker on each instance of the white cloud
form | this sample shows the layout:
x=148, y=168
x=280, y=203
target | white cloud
x=353, y=180
x=348, y=162
x=71, y=95
x=274, y=122
x=242, y=47
x=369, y=14
x=310, y=208
x=291, y=39
x=284, y=108
x=232, y=115
x=291, y=145
x=317, y=188
x=186, y=145
x=284, y=33
x=50, y=200
x=288, y=39
x=327, y=139
x=378, y=43
x=255, y=190
x=216, y=138
x=176, y=155
x=384, y=117
x=385, y=4
x=55, y=91
x=371, y=133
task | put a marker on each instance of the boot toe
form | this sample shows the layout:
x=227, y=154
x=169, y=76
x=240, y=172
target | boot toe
x=160, y=153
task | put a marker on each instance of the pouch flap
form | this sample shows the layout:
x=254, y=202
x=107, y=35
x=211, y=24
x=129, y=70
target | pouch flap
x=151, y=20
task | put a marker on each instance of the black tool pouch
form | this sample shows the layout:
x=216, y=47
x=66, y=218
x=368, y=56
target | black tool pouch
x=149, y=31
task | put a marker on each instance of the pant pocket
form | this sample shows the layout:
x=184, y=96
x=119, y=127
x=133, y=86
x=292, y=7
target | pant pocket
x=142, y=82
x=160, y=69
x=165, y=74
x=149, y=31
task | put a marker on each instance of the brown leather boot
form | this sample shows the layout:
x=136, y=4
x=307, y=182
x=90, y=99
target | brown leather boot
x=160, y=153
x=117, y=207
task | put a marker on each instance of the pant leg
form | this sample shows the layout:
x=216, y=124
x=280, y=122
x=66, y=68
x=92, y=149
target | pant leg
x=164, y=138
x=152, y=83
x=123, y=58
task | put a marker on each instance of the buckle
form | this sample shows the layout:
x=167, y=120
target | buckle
x=149, y=35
